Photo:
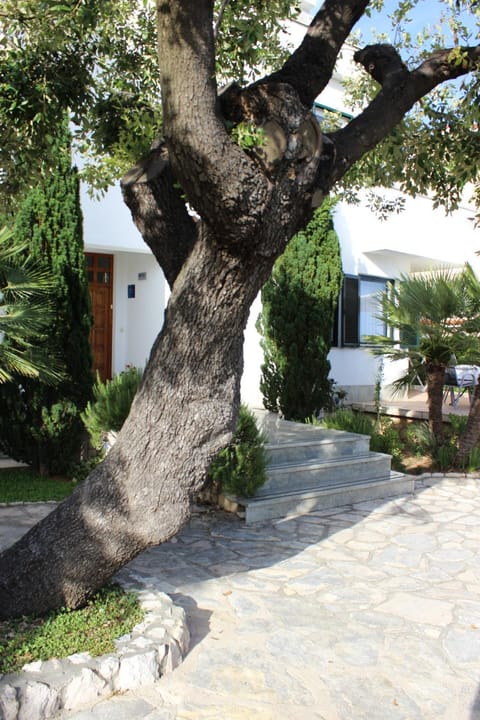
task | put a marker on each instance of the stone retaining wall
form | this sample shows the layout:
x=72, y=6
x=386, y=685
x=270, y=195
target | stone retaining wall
x=154, y=647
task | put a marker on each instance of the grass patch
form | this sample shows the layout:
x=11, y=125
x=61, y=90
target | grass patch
x=108, y=615
x=24, y=485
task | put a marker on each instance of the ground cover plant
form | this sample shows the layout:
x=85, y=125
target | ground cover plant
x=110, y=614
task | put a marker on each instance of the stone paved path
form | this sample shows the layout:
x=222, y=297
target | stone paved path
x=368, y=612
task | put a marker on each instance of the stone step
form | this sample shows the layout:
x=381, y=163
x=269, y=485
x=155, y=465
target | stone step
x=330, y=495
x=294, y=476
x=322, y=444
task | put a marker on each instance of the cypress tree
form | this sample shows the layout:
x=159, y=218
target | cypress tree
x=40, y=423
x=296, y=322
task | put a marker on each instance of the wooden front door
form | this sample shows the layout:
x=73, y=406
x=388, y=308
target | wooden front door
x=100, y=282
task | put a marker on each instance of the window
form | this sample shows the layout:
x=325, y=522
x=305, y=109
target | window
x=369, y=307
x=357, y=308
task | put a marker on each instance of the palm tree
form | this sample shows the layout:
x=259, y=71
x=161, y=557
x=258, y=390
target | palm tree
x=432, y=317
x=25, y=316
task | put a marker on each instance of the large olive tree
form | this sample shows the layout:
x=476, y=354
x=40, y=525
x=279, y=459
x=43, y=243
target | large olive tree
x=251, y=202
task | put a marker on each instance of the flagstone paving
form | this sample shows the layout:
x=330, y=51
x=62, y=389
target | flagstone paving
x=366, y=612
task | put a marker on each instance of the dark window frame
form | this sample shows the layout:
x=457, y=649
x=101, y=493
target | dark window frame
x=347, y=322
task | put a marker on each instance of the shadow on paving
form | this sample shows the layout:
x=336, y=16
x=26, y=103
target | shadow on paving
x=216, y=544
x=213, y=565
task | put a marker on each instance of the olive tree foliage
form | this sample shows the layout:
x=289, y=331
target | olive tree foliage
x=434, y=150
x=251, y=199
x=98, y=60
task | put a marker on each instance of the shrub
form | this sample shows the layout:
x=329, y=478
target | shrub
x=387, y=440
x=240, y=468
x=458, y=424
x=473, y=461
x=297, y=318
x=111, y=405
x=444, y=456
x=39, y=420
x=79, y=471
x=413, y=441
x=345, y=419
x=421, y=439
x=57, y=436
x=46, y=436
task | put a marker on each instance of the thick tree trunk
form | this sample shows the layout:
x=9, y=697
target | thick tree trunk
x=435, y=382
x=251, y=204
x=471, y=435
x=141, y=494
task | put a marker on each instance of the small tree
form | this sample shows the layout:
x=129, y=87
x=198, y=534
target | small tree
x=40, y=423
x=434, y=322
x=296, y=321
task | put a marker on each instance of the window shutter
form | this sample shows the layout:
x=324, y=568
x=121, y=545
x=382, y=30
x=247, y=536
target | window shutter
x=350, y=311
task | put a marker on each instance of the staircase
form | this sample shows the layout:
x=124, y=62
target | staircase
x=313, y=468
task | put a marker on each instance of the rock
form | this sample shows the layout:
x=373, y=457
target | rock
x=8, y=703
x=173, y=658
x=136, y=670
x=37, y=701
x=80, y=658
x=107, y=667
x=83, y=689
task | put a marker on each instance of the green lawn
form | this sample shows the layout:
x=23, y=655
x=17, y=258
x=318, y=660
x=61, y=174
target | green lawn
x=24, y=485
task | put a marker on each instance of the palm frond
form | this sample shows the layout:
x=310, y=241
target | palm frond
x=441, y=310
x=25, y=316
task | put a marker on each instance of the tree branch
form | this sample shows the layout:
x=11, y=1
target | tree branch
x=380, y=61
x=219, y=19
x=311, y=65
x=158, y=210
x=400, y=90
x=224, y=185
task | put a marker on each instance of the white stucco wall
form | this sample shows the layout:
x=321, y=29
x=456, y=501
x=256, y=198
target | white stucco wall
x=136, y=321
x=253, y=359
x=108, y=224
x=419, y=238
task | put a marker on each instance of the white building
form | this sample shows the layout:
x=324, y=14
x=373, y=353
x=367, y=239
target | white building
x=129, y=291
